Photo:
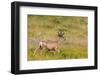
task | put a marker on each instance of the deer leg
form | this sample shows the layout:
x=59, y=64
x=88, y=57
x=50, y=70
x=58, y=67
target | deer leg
x=43, y=49
x=38, y=48
x=56, y=49
x=54, y=53
x=35, y=51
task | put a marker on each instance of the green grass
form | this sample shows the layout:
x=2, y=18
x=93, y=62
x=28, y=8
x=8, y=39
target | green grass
x=69, y=53
x=46, y=27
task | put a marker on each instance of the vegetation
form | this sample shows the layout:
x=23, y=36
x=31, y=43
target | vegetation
x=42, y=27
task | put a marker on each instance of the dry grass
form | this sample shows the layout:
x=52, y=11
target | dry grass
x=46, y=27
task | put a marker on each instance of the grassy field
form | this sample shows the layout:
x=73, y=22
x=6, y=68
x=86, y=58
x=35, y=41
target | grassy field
x=46, y=27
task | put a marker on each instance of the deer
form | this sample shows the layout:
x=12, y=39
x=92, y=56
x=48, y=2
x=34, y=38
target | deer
x=50, y=45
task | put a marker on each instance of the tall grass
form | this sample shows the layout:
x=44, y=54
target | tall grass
x=46, y=27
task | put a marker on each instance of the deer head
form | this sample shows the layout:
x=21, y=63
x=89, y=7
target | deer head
x=61, y=35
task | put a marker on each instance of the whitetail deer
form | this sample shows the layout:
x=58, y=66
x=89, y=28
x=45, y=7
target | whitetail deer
x=51, y=45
